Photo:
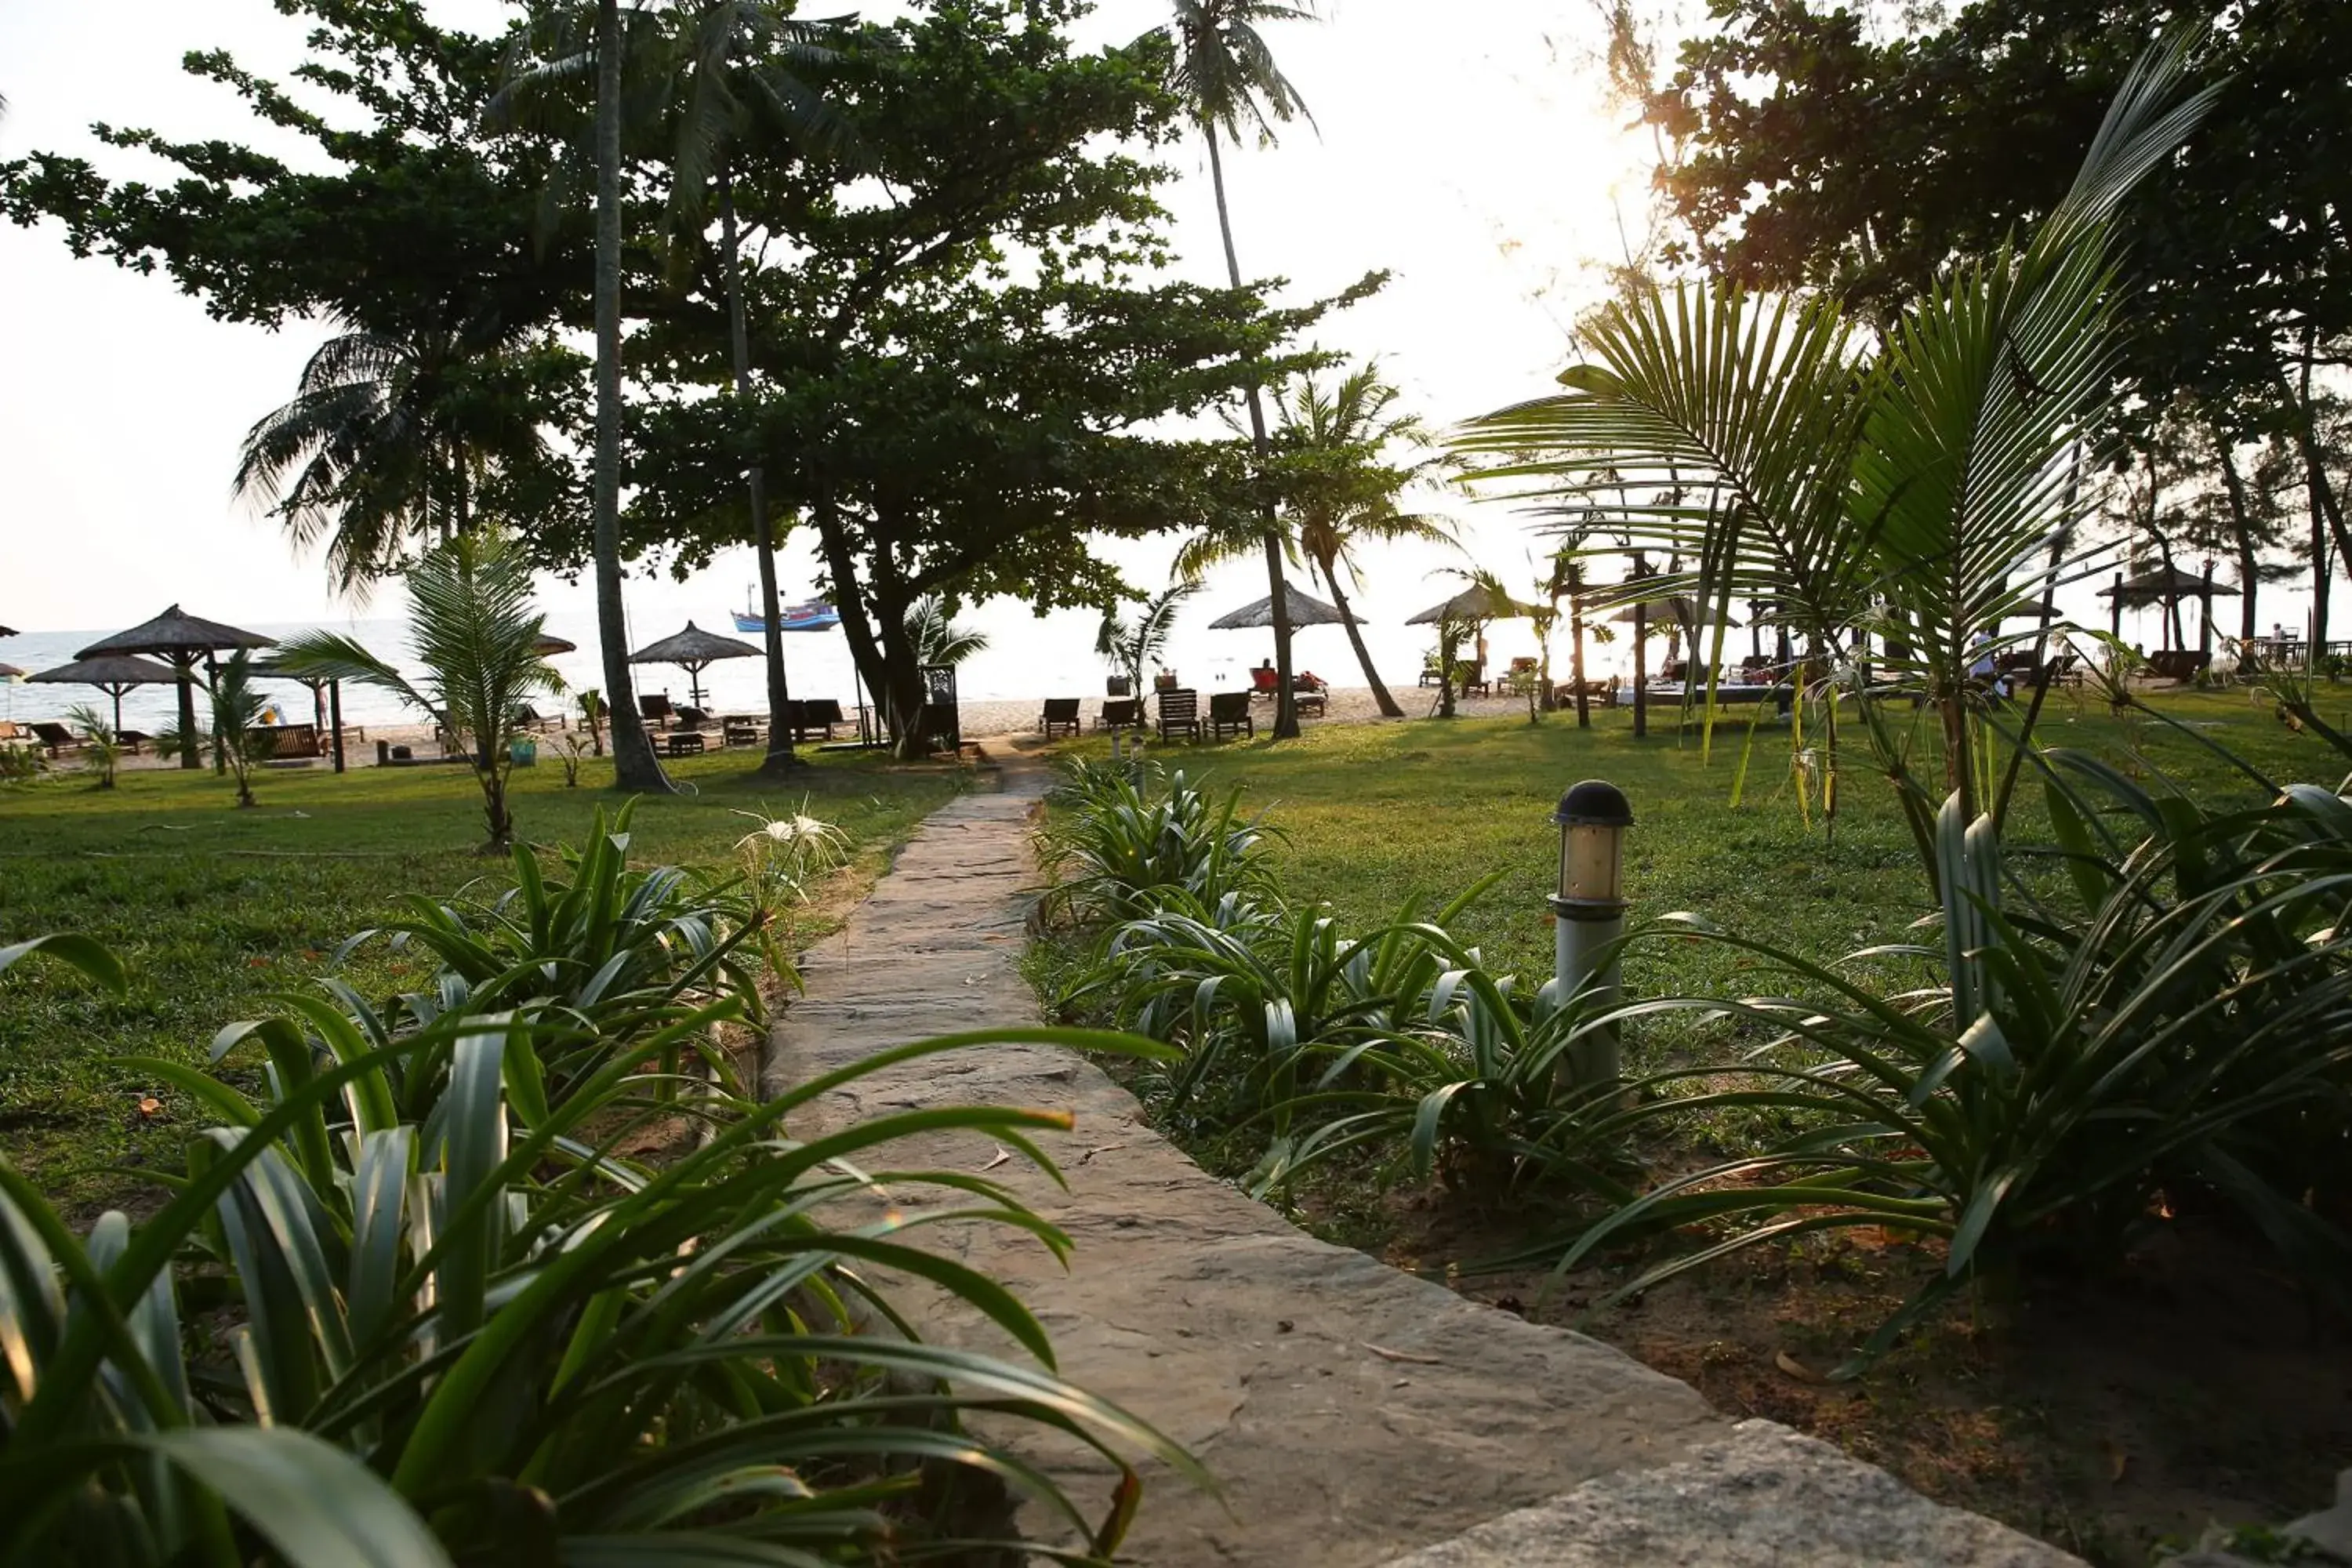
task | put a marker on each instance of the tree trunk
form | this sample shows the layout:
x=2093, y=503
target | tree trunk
x=2242, y=531
x=1286, y=703
x=190, y=754
x=2327, y=515
x=1388, y=704
x=635, y=766
x=780, y=757
x=848, y=600
x=1576, y=659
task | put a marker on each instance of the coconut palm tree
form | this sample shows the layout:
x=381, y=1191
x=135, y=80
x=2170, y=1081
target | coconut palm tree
x=383, y=440
x=1226, y=76
x=1338, y=489
x=1913, y=487
x=473, y=629
x=553, y=58
x=734, y=70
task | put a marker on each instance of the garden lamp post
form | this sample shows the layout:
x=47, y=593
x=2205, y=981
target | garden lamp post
x=1589, y=914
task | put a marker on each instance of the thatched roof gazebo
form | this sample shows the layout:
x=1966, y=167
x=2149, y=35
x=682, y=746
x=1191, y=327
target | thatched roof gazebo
x=692, y=651
x=180, y=639
x=112, y=673
x=2167, y=585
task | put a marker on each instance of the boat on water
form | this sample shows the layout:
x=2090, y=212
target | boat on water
x=809, y=615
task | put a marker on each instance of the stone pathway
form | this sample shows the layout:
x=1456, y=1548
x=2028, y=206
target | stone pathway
x=1351, y=1414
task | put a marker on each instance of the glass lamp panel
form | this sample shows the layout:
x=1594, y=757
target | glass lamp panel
x=1590, y=867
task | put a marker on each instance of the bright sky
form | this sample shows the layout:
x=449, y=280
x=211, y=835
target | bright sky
x=1478, y=161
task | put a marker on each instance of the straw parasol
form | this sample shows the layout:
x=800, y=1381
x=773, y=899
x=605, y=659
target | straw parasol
x=691, y=650
x=1473, y=603
x=180, y=639
x=112, y=673
x=7, y=631
x=1677, y=607
x=546, y=646
x=1306, y=610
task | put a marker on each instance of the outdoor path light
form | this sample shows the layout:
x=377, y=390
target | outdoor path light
x=1589, y=916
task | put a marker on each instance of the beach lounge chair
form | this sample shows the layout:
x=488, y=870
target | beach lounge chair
x=694, y=717
x=529, y=718
x=132, y=739
x=742, y=731
x=56, y=739
x=1432, y=671
x=1475, y=680
x=1060, y=717
x=1179, y=712
x=813, y=713
x=1309, y=690
x=684, y=743
x=654, y=708
x=1229, y=714
x=1126, y=714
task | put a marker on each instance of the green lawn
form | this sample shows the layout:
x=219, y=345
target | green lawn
x=1375, y=814
x=213, y=906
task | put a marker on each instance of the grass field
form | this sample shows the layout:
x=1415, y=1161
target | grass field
x=213, y=906
x=1374, y=815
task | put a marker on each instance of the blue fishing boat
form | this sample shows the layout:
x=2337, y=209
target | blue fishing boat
x=809, y=615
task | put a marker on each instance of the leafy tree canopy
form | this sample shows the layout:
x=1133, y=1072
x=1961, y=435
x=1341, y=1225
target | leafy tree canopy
x=1816, y=153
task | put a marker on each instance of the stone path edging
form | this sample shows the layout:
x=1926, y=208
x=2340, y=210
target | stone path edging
x=1352, y=1414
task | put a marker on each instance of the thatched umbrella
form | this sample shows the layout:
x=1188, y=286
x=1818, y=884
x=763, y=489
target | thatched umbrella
x=1677, y=607
x=180, y=639
x=112, y=673
x=7, y=631
x=1472, y=605
x=1306, y=610
x=546, y=646
x=691, y=650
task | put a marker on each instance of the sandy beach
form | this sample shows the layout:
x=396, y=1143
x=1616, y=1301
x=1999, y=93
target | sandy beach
x=1346, y=705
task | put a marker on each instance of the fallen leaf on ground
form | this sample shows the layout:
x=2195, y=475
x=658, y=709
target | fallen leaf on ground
x=1796, y=1368
x=1386, y=1354
x=1003, y=1154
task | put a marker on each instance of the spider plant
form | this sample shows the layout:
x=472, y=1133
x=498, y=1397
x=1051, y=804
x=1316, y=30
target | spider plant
x=1126, y=846
x=491, y=1332
x=600, y=953
x=2064, y=1075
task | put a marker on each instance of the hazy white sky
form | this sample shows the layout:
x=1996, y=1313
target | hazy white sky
x=1478, y=160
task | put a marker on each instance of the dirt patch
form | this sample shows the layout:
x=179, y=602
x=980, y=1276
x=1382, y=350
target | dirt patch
x=2105, y=1416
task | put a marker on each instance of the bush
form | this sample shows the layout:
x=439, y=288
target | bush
x=1125, y=843
x=2070, y=1077
x=413, y=1304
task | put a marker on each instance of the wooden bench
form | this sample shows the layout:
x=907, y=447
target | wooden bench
x=684, y=743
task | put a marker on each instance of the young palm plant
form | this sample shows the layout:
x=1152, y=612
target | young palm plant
x=1129, y=645
x=1911, y=488
x=934, y=637
x=100, y=745
x=236, y=705
x=472, y=626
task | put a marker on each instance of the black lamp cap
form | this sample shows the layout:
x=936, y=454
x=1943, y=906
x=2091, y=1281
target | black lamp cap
x=1595, y=803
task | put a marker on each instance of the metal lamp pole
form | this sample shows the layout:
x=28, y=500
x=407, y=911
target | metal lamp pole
x=1590, y=910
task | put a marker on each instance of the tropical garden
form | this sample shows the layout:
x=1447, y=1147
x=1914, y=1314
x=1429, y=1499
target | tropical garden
x=452, y=1220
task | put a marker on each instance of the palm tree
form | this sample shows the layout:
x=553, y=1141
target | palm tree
x=1226, y=74
x=936, y=639
x=1131, y=644
x=472, y=626
x=538, y=90
x=1339, y=491
x=1914, y=491
x=734, y=68
x=382, y=441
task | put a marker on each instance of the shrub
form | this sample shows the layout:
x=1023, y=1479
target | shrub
x=481, y=1330
x=1126, y=842
x=2070, y=1075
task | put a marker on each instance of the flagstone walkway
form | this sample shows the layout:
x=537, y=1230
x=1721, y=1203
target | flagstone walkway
x=1352, y=1414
